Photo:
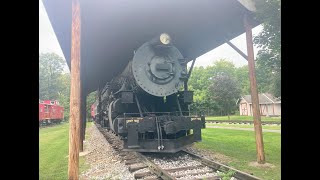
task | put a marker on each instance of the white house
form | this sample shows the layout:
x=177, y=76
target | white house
x=269, y=105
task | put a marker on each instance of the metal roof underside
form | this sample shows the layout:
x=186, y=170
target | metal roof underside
x=111, y=30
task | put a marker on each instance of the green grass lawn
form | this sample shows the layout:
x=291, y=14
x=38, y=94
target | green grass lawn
x=53, y=152
x=246, y=118
x=272, y=127
x=240, y=146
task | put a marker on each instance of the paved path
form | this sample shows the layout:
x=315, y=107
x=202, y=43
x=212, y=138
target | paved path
x=245, y=129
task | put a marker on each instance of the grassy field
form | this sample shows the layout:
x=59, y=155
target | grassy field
x=53, y=152
x=246, y=118
x=241, y=148
x=238, y=145
x=272, y=127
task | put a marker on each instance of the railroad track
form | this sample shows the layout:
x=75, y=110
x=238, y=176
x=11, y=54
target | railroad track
x=242, y=122
x=181, y=165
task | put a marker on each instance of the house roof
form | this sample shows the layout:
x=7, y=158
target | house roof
x=264, y=98
x=112, y=30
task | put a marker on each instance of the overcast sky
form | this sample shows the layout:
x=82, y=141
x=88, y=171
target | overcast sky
x=49, y=43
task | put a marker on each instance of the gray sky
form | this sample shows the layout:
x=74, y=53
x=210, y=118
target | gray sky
x=49, y=43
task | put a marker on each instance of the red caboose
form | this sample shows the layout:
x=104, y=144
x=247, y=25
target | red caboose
x=93, y=111
x=50, y=112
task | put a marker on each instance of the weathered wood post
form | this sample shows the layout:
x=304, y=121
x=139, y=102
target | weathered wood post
x=74, y=130
x=254, y=93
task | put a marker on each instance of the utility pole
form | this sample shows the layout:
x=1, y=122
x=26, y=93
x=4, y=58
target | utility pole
x=254, y=94
x=75, y=98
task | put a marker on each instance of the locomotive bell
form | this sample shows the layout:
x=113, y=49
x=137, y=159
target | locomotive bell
x=157, y=68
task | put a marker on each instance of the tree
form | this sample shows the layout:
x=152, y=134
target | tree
x=54, y=84
x=50, y=69
x=225, y=91
x=200, y=81
x=269, y=40
x=242, y=77
x=224, y=66
x=64, y=94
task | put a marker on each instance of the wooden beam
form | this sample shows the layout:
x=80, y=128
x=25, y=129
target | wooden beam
x=238, y=50
x=74, y=130
x=254, y=94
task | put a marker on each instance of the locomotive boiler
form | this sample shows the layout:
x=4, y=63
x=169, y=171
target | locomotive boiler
x=147, y=104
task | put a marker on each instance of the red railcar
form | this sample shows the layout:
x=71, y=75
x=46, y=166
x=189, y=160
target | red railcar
x=94, y=111
x=50, y=112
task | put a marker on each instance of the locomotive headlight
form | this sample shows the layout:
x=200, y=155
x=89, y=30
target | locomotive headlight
x=165, y=38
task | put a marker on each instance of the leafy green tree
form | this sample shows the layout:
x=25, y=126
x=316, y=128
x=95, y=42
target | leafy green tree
x=225, y=91
x=263, y=76
x=200, y=81
x=54, y=84
x=50, y=69
x=242, y=77
x=224, y=66
x=64, y=94
x=269, y=40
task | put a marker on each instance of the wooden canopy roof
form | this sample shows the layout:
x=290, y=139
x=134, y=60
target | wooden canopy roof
x=111, y=30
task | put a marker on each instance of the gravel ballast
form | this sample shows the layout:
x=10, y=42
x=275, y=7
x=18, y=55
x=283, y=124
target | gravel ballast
x=104, y=161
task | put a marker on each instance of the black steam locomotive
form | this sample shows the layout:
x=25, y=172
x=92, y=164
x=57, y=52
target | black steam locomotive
x=147, y=104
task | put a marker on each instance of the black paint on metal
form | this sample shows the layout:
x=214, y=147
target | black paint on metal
x=132, y=135
x=179, y=107
x=138, y=104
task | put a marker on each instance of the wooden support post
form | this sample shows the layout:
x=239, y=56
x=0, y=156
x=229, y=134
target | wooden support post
x=74, y=130
x=254, y=94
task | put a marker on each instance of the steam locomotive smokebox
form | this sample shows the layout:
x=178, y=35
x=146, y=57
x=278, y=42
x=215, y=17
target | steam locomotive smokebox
x=157, y=69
